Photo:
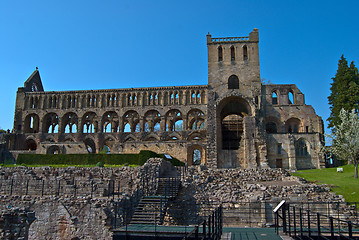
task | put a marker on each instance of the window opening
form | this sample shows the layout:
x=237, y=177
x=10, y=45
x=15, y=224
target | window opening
x=290, y=98
x=127, y=128
x=220, y=54
x=274, y=98
x=233, y=82
x=245, y=53
x=233, y=54
x=279, y=148
x=197, y=156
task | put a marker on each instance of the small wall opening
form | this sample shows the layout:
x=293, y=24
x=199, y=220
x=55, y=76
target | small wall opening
x=245, y=53
x=220, y=54
x=233, y=54
x=233, y=82
x=274, y=98
x=290, y=98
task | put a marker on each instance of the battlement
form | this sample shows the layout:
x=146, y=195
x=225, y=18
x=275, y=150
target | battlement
x=230, y=39
x=253, y=37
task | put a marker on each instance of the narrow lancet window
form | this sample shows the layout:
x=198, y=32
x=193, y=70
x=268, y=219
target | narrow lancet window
x=245, y=53
x=274, y=98
x=220, y=54
x=233, y=54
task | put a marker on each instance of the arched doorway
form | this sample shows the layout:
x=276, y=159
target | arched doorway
x=30, y=144
x=230, y=142
x=54, y=149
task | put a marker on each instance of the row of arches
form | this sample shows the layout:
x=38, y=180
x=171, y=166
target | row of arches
x=290, y=98
x=146, y=98
x=110, y=121
x=292, y=125
x=232, y=50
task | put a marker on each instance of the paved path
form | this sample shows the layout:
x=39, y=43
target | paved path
x=250, y=234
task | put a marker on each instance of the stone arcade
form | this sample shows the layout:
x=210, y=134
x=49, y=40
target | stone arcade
x=235, y=121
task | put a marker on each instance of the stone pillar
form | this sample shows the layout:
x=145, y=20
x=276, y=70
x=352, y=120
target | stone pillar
x=291, y=153
x=185, y=126
x=142, y=124
x=163, y=124
x=212, y=131
x=263, y=155
x=250, y=154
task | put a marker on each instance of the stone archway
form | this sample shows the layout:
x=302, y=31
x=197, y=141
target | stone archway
x=231, y=114
x=30, y=144
x=54, y=149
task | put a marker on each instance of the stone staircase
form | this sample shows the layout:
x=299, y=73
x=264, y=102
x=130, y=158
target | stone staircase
x=151, y=209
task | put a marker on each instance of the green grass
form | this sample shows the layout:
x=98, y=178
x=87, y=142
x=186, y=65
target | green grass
x=65, y=165
x=341, y=183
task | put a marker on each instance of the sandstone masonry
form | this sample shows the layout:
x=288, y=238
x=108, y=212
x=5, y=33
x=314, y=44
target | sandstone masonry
x=235, y=121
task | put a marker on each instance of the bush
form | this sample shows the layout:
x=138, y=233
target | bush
x=91, y=159
x=100, y=164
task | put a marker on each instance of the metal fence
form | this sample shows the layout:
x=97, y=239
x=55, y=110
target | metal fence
x=301, y=223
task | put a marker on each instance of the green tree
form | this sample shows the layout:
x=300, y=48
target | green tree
x=345, y=138
x=344, y=91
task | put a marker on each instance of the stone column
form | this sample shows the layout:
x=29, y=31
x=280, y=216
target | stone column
x=211, y=131
x=250, y=154
x=291, y=153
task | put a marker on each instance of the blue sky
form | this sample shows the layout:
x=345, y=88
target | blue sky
x=87, y=44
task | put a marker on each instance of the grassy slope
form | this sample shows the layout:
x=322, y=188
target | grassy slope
x=343, y=183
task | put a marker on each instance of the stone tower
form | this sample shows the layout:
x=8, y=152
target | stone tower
x=234, y=90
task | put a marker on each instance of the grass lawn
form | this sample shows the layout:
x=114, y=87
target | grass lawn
x=342, y=183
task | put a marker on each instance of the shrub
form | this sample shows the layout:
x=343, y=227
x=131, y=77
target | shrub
x=91, y=159
x=100, y=164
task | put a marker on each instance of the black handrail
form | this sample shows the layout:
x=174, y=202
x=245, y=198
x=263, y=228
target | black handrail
x=214, y=225
x=299, y=223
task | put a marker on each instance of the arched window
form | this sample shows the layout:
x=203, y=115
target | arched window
x=274, y=98
x=301, y=148
x=292, y=125
x=127, y=128
x=233, y=54
x=220, y=54
x=233, y=82
x=290, y=98
x=245, y=53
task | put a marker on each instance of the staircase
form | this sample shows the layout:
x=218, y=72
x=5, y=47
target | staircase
x=152, y=209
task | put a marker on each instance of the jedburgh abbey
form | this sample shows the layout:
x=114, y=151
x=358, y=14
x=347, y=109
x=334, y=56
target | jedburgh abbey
x=235, y=121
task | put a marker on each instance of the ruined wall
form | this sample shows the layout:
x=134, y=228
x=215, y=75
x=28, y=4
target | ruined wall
x=228, y=123
x=77, y=203
x=69, y=203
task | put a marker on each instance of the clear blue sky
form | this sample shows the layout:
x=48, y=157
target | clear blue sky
x=86, y=44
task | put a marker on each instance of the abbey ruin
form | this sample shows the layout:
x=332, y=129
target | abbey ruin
x=235, y=121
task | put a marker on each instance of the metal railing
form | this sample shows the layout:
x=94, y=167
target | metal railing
x=299, y=223
x=210, y=228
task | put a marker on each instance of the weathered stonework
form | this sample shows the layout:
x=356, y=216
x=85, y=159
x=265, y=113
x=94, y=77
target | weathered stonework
x=235, y=121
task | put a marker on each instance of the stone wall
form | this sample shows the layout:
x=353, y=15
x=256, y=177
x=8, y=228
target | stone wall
x=15, y=223
x=77, y=203
x=249, y=196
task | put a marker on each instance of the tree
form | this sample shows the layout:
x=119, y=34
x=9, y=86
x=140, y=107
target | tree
x=344, y=91
x=345, y=138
